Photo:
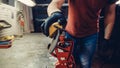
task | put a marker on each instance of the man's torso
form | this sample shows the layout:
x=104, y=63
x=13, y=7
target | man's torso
x=82, y=16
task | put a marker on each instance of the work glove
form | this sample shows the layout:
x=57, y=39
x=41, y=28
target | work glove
x=55, y=17
x=104, y=49
x=105, y=44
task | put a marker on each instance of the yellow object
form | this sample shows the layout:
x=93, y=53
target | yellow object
x=5, y=38
x=1, y=26
x=53, y=29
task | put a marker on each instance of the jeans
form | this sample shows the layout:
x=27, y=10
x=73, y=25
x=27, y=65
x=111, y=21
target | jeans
x=84, y=49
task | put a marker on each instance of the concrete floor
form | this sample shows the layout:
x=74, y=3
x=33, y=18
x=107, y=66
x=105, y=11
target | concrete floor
x=30, y=51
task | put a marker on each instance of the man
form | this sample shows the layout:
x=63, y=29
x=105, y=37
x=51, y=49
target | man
x=82, y=25
x=108, y=53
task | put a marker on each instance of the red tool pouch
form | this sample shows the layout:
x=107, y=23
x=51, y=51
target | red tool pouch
x=63, y=53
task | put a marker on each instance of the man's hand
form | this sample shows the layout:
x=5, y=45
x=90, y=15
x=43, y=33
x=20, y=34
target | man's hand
x=105, y=45
x=55, y=17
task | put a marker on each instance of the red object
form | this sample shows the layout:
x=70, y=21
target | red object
x=63, y=52
x=21, y=22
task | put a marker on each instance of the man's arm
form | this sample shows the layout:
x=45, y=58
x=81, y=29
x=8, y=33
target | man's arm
x=54, y=6
x=55, y=15
x=109, y=20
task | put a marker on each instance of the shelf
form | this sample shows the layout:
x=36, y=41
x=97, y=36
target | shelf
x=44, y=5
x=39, y=20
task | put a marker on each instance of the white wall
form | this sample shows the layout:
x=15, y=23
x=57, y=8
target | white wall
x=27, y=11
x=9, y=13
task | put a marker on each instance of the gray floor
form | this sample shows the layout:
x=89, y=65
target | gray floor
x=30, y=51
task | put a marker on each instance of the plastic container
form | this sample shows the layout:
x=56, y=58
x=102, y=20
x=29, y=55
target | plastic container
x=5, y=44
